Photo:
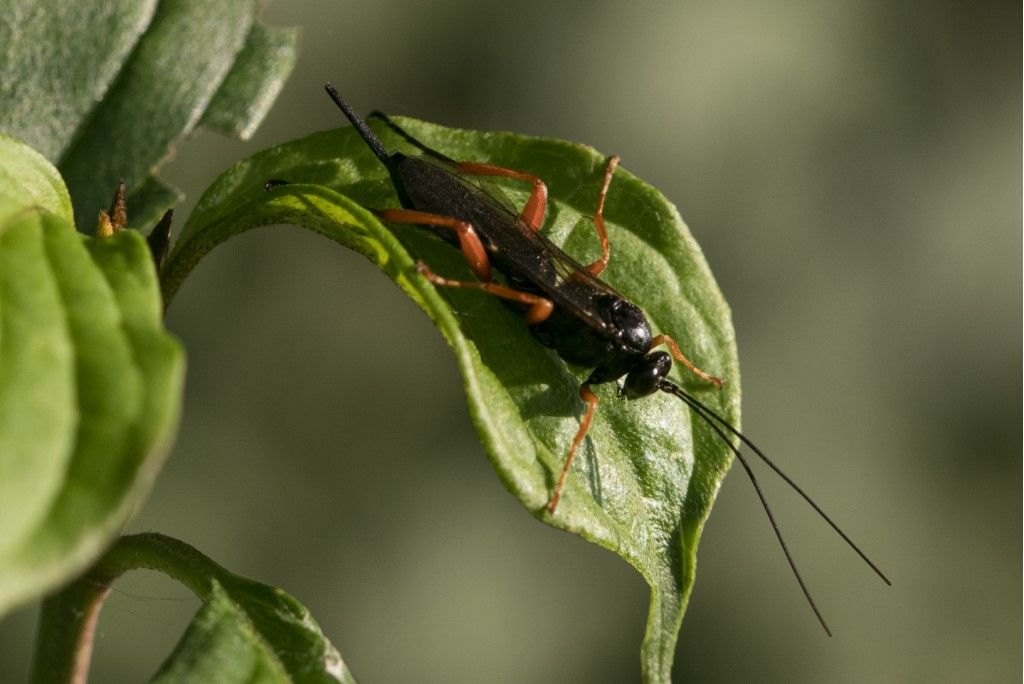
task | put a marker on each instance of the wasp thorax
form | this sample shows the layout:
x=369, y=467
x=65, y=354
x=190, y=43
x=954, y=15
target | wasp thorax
x=634, y=330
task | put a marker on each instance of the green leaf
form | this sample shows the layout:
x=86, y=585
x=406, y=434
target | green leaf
x=28, y=180
x=106, y=88
x=251, y=87
x=58, y=60
x=90, y=391
x=150, y=201
x=221, y=645
x=250, y=632
x=649, y=471
x=245, y=631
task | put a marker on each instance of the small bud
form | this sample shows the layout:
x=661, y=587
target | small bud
x=118, y=211
x=104, y=227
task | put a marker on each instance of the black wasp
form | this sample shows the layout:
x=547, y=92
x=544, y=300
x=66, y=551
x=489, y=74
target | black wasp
x=567, y=308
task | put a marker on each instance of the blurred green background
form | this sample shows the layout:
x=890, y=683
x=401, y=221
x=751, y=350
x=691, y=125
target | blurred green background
x=852, y=172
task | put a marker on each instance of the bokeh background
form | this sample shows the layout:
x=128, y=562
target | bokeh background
x=852, y=171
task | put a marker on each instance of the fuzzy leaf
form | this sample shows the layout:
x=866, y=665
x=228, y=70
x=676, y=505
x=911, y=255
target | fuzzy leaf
x=251, y=87
x=649, y=471
x=58, y=59
x=106, y=88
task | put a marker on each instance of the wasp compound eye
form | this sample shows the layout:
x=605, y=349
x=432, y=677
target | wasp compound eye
x=644, y=379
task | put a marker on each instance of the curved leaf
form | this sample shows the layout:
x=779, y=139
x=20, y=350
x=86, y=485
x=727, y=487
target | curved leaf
x=245, y=631
x=28, y=180
x=258, y=75
x=221, y=645
x=106, y=88
x=90, y=387
x=648, y=473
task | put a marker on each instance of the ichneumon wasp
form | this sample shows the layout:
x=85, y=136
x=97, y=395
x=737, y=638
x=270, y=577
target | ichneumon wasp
x=567, y=307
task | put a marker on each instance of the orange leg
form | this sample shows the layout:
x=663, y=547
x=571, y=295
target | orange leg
x=533, y=212
x=598, y=266
x=469, y=241
x=591, y=399
x=678, y=354
x=539, y=307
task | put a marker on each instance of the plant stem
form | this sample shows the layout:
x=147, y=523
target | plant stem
x=67, y=624
x=68, y=618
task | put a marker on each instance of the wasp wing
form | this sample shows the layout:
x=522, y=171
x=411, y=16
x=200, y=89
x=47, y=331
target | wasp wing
x=531, y=261
x=528, y=259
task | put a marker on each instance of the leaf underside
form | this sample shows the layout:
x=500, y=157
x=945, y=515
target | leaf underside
x=648, y=472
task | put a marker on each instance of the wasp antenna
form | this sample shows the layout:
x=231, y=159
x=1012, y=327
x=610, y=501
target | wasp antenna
x=707, y=414
x=364, y=129
x=671, y=388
